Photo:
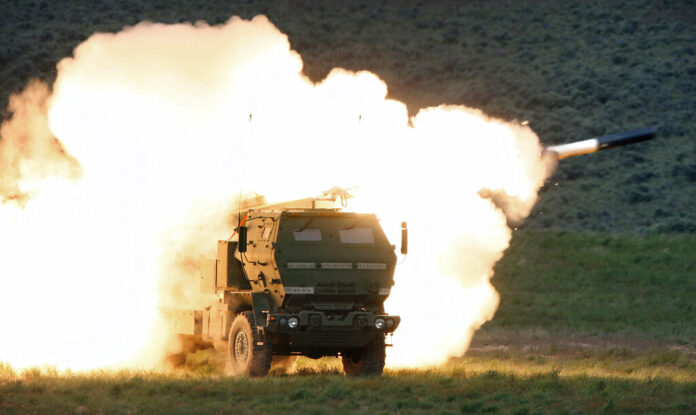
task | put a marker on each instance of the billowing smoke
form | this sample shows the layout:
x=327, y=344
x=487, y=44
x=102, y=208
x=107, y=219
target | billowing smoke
x=29, y=153
x=118, y=180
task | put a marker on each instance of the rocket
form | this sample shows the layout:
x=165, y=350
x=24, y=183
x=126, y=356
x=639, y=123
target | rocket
x=601, y=143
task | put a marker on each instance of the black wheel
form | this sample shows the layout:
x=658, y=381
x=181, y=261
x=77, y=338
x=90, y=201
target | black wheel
x=368, y=361
x=244, y=354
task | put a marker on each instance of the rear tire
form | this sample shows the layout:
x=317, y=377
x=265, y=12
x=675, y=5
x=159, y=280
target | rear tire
x=368, y=361
x=244, y=354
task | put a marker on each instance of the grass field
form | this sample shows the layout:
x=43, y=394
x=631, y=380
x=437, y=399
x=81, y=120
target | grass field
x=472, y=385
x=588, y=323
x=595, y=284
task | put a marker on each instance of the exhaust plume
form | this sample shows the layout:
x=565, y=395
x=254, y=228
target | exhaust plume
x=128, y=172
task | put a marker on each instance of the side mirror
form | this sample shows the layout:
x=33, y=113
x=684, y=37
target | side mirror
x=242, y=244
x=404, y=238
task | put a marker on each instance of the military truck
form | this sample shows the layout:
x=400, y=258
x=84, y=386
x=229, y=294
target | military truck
x=299, y=278
x=306, y=278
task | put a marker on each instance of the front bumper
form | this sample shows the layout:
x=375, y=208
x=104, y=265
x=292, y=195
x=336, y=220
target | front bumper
x=317, y=329
x=315, y=319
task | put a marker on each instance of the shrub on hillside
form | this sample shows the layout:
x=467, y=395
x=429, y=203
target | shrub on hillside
x=677, y=225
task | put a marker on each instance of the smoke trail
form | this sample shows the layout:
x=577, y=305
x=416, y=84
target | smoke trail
x=167, y=122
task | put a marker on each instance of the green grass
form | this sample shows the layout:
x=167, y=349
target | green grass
x=574, y=360
x=460, y=387
x=578, y=284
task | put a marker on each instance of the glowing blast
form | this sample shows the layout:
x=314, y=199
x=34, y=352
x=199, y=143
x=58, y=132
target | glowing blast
x=117, y=184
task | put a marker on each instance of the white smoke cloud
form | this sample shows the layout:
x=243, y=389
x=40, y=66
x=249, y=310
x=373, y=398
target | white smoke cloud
x=168, y=122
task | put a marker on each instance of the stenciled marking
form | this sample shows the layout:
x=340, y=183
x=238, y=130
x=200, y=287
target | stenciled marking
x=301, y=265
x=369, y=265
x=337, y=265
x=384, y=291
x=299, y=290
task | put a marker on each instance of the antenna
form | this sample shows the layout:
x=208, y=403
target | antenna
x=241, y=230
x=239, y=206
x=241, y=182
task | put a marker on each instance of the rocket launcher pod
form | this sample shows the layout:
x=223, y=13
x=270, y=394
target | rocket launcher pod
x=601, y=143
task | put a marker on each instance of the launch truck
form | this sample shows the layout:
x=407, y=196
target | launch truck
x=299, y=278
x=306, y=278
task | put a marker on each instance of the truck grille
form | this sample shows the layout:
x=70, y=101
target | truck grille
x=335, y=288
x=331, y=338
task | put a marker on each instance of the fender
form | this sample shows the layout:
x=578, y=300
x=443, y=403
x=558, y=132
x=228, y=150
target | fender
x=261, y=304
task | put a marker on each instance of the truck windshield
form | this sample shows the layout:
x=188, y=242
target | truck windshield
x=356, y=236
x=307, y=235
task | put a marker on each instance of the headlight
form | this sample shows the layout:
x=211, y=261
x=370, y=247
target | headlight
x=390, y=323
x=293, y=322
x=282, y=321
x=379, y=323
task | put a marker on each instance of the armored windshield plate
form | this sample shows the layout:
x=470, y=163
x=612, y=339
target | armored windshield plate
x=307, y=235
x=356, y=236
x=299, y=290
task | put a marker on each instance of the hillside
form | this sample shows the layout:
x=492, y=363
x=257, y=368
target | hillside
x=572, y=69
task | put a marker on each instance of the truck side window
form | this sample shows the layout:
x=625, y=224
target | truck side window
x=266, y=234
x=307, y=235
x=356, y=236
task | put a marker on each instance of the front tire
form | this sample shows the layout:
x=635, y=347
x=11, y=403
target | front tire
x=244, y=354
x=368, y=361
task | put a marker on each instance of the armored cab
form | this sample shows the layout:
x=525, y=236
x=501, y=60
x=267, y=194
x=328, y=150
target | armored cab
x=300, y=281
